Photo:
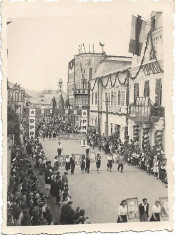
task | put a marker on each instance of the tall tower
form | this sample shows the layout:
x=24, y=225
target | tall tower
x=60, y=85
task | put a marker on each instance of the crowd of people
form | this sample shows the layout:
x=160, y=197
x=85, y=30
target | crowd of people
x=150, y=161
x=26, y=203
x=51, y=127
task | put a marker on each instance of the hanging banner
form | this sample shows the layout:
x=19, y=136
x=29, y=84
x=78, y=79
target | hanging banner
x=32, y=114
x=84, y=122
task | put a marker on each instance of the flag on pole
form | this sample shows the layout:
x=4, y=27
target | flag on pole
x=137, y=35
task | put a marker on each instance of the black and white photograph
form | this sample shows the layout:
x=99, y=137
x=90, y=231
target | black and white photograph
x=87, y=116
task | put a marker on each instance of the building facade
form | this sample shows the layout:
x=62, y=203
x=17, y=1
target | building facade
x=108, y=101
x=146, y=109
x=127, y=98
x=81, y=70
x=16, y=98
x=46, y=101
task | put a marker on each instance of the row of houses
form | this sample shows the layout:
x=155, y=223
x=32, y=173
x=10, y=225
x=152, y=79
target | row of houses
x=122, y=95
x=46, y=103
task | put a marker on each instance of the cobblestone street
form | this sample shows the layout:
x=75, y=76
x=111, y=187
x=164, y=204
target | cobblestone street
x=101, y=193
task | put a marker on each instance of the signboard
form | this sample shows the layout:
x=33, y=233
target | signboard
x=83, y=142
x=32, y=114
x=132, y=208
x=84, y=114
x=71, y=136
x=77, y=157
x=164, y=206
x=92, y=156
x=84, y=121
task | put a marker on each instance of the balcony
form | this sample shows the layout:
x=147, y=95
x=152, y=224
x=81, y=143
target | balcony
x=81, y=91
x=114, y=109
x=143, y=111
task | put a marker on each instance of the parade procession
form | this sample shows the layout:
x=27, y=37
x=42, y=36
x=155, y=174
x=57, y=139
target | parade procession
x=91, y=149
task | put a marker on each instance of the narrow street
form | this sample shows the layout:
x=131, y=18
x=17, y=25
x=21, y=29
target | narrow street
x=101, y=193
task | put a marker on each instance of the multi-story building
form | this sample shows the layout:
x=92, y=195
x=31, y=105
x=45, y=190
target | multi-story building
x=46, y=100
x=108, y=101
x=146, y=110
x=16, y=98
x=81, y=70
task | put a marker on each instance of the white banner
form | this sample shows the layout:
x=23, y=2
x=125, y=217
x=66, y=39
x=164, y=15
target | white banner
x=32, y=123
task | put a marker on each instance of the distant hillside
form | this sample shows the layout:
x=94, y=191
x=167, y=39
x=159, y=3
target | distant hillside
x=30, y=92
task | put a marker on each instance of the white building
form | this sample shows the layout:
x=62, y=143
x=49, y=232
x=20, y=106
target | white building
x=146, y=110
x=108, y=89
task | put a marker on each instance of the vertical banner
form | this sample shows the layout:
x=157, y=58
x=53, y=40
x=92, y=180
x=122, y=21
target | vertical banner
x=32, y=114
x=84, y=122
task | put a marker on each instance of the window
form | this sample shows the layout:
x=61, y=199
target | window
x=96, y=98
x=109, y=98
x=106, y=95
x=146, y=89
x=115, y=98
x=111, y=128
x=112, y=98
x=136, y=91
x=158, y=92
x=153, y=23
x=90, y=74
x=119, y=96
x=122, y=98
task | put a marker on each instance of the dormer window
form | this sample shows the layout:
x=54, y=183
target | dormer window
x=153, y=23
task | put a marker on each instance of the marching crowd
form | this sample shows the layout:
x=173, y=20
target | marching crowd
x=27, y=203
x=51, y=127
x=150, y=161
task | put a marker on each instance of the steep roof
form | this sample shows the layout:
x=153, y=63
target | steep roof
x=111, y=66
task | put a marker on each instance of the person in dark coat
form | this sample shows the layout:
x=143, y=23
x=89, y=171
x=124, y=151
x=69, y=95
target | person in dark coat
x=26, y=220
x=67, y=214
x=143, y=211
x=67, y=163
x=98, y=161
x=83, y=163
x=58, y=189
x=72, y=164
x=87, y=164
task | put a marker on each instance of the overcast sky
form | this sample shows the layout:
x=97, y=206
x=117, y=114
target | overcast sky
x=39, y=49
